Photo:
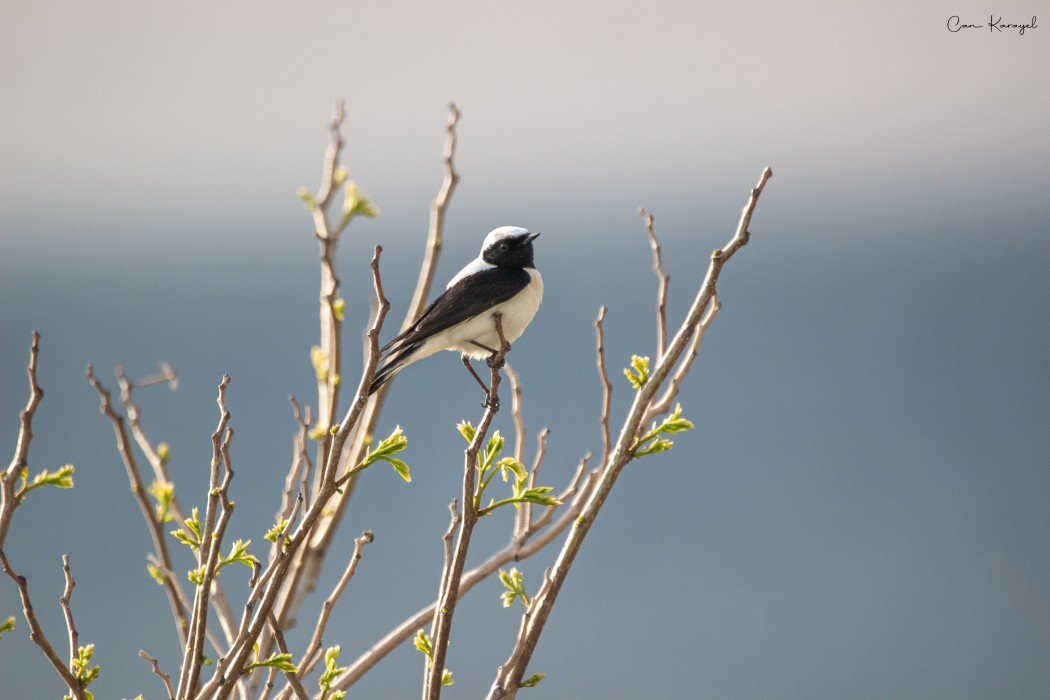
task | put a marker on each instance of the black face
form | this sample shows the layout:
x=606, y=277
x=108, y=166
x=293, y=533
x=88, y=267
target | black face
x=511, y=251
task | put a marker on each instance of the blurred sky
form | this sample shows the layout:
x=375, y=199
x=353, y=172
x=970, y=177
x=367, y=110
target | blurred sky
x=862, y=510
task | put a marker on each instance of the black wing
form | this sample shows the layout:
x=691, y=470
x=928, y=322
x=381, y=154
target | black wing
x=474, y=294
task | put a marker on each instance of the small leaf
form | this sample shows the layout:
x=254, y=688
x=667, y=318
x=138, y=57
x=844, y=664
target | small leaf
x=308, y=199
x=62, y=478
x=282, y=662
x=184, y=538
x=492, y=449
x=422, y=642
x=274, y=532
x=670, y=425
x=157, y=574
x=339, y=308
x=82, y=668
x=194, y=523
x=385, y=452
x=356, y=204
x=319, y=360
x=509, y=464
x=532, y=680
x=331, y=672
x=402, y=469
x=164, y=494
x=514, y=588
x=466, y=430
x=196, y=576
x=446, y=678
x=7, y=625
x=238, y=555
x=638, y=373
x=192, y=538
x=164, y=451
x=539, y=496
x=657, y=445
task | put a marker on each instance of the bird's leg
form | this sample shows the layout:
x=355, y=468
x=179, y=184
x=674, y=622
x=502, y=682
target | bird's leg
x=489, y=402
x=492, y=356
x=466, y=363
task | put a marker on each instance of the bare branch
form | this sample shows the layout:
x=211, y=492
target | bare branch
x=299, y=472
x=36, y=632
x=67, y=610
x=223, y=612
x=306, y=568
x=509, y=677
x=230, y=669
x=163, y=676
x=663, y=404
x=521, y=547
x=140, y=491
x=217, y=515
x=304, y=577
x=599, y=331
x=516, y=392
x=449, y=594
x=166, y=375
x=446, y=540
x=294, y=679
x=20, y=460
x=436, y=234
x=315, y=647
x=331, y=160
x=663, y=280
x=523, y=523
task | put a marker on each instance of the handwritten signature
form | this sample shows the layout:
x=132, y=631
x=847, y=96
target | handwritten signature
x=995, y=24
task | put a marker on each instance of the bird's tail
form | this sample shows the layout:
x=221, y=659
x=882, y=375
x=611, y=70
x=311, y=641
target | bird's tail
x=391, y=366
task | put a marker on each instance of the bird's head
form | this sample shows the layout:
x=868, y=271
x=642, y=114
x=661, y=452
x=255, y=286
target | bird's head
x=509, y=246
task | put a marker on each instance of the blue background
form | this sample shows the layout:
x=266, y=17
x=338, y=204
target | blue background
x=862, y=509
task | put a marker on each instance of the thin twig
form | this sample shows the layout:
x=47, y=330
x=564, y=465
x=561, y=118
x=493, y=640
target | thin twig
x=217, y=514
x=176, y=601
x=10, y=476
x=315, y=647
x=300, y=460
x=166, y=375
x=219, y=601
x=516, y=392
x=524, y=523
x=663, y=280
x=293, y=677
x=331, y=161
x=436, y=233
x=163, y=676
x=36, y=632
x=603, y=375
x=455, y=518
x=663, y=404
x=67, y=610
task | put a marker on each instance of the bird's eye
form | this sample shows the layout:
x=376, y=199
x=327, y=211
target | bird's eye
x=504, y=247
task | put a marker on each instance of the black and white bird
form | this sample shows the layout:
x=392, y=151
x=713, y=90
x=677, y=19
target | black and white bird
x=502, y=279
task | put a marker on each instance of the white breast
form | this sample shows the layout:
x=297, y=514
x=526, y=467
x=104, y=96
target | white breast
x=517, y=312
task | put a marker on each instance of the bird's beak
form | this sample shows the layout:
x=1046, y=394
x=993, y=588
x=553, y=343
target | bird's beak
x=529, y=238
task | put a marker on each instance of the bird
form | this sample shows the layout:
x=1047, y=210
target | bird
x=502, y=279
